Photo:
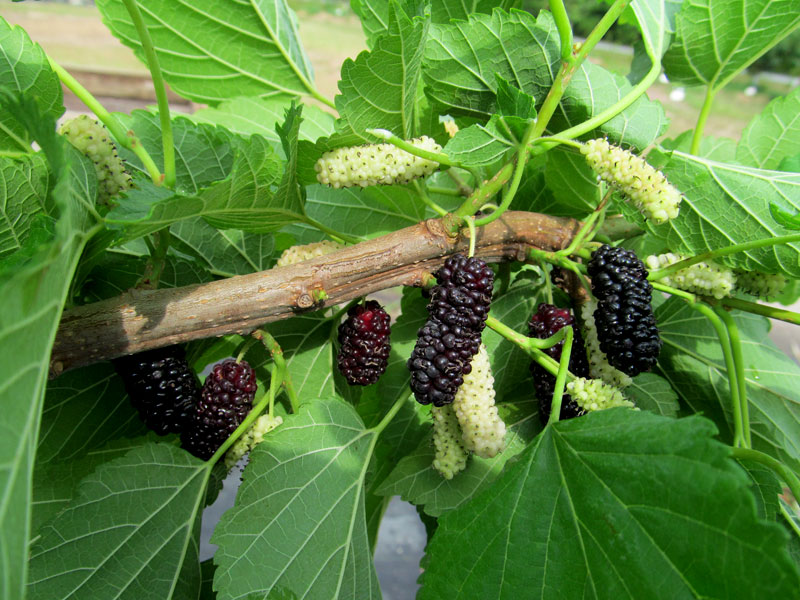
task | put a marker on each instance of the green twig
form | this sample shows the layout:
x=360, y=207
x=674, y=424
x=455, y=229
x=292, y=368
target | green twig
x=531, y=346
x=439, y=157
x=782, y=471
x=738, y=362
x=561, y=376
x=159, y=88
x=275, y=350
x=772, y=312
x=581, y=235
x=126, y=139
x=564, y=27
x=390, y=415
x=730, y=365
x=712, y=254
x=428, y=202
x=697, y=137
x=155, y=263
x=482, y=194
x=472, y=235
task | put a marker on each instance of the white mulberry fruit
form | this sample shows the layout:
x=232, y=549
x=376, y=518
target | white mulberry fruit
x=298, y=254
x=375, y=164
x=594, y=394
x=761, y=285
x=251, y=438
x=599, y=367
x=93, y=140
x=450, y=454
x=703, y=278
x=482, y=429
x=648, y=188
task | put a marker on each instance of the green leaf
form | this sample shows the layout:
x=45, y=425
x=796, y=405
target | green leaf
x=378, y=88
x=321, y=539
x=692, y=362
x=656, y=20
x=463, y=59
x=127, y=531
x=572, y=182
x=249, y=115
x=365, y=212
x=773, y=135
x=511, y=101
x=592, y=508
x=728, y=204
x=416, y=481
x=24, y=68
x=716, y=40
x=56, y=482
x=203, y=153
x=651, y=392
x=33, y=293
x=224, y=252
x=83, y=410
x=206, y=51
x=24, y=184
x=245, y=200
x=719, y=149
x=290, y=192
x=594, y=89
x=482, y=145
x=784, y=218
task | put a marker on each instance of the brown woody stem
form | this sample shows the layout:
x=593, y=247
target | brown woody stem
x=143, y=319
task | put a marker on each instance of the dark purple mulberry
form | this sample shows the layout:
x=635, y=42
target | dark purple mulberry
x=226, y=398
x=450, y=338
x=626, y=326
x=545, y=322
x=364, y=339
x=161, y=386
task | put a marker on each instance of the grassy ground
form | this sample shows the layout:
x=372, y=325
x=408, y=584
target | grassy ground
x=75, y=36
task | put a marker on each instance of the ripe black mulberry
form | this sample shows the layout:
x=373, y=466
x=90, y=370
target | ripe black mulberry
x=226, y=398
x=548, y=320
x=626, y=326
x=161, y=386
x=450, y=338
x=364, y=339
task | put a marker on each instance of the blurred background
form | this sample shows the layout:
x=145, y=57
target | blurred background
x=72, y=32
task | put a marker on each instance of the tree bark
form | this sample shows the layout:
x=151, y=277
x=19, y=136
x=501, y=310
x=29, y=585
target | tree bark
x=144, y=319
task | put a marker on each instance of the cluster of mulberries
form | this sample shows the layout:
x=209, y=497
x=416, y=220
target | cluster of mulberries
x=450, y=455
x=298, y=254
x=626, y=326
x=447, y=342
x=161, y=386
x=93, y=140
x=761, y=285
x=482, y=430
x=598, y=364
x=251, y=438
x=653, y=195
x=704, y=278
x=545, y=322
x=225, y=400
x=364, y=338
x=375, y=164
x=594, y=394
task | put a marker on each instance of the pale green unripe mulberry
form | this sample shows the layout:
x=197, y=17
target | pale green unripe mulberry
x=599, y=368
x=375, y=164
x=648, y=188
x=482, y=429
x=450, y=454
x=251, y=438
x=761, y=285
x=298, y=254
x=703, y=278
x=594, y=394
x=93, y=140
